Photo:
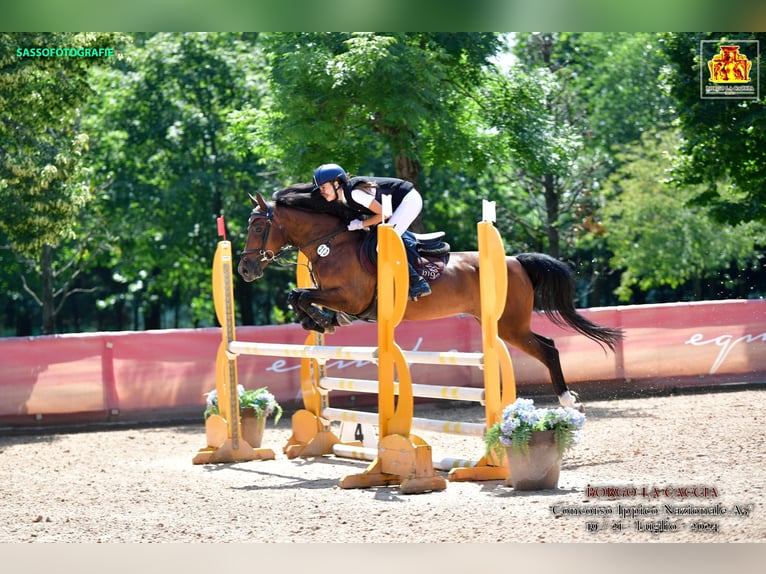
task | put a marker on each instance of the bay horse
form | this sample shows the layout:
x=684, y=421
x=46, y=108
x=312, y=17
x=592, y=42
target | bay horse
x=298, y=218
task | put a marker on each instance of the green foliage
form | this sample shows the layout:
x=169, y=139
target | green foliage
x=564, y=116
x=542, y=134
x=45, y=176
x=169, y=165
x=122, y=165
x=724, y=140
x=44, y=180
x=658, y=237
x=260, y=400
x=357, y=97
x=617, y=83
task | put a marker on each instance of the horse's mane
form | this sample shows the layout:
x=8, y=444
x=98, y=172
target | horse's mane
x=306, y=197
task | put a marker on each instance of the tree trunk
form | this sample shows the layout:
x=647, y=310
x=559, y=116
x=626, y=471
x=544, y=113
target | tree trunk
x=153, y=315
x=23, y=321
x=409, y=169
x=46, y=276
x=697, y=287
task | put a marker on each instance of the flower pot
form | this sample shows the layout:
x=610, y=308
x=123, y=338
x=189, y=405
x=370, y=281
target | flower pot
x=252, y=427
x=535, y=469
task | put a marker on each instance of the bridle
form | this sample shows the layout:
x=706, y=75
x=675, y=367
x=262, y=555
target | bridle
x=267, y=255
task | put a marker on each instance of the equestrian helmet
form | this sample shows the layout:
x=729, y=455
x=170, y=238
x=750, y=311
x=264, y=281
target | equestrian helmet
x=329, y=172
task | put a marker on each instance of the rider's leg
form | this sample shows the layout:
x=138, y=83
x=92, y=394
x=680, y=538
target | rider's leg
x=419, y=287
x=401, y=219
x=408, y=210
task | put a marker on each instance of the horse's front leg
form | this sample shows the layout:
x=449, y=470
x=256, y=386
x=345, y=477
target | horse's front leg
x=312, y=316
x=307, y=322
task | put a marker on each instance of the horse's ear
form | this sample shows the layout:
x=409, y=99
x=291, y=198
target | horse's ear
x=258, y=201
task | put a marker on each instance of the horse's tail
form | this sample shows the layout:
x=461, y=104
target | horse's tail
x=554, y=285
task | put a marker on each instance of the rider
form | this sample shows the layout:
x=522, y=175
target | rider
x=363, y=195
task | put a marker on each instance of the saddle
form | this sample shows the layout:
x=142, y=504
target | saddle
x=428, y=253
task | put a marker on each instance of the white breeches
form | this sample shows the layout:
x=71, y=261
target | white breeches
x=408, y=210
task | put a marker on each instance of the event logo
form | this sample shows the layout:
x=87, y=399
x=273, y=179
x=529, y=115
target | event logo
x=729, y=66
x=727, y=69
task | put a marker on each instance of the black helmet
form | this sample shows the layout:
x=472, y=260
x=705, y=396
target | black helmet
x=329, y=172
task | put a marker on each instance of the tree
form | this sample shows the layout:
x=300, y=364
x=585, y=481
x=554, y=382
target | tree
x=361, y=99
x=544, y=135
x=170, y=168
x=43, y=171
x=658, y=237
x=617, y=82
x=724, y=140
x=564, y=110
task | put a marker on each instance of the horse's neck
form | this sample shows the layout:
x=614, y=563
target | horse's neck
x=304, y=228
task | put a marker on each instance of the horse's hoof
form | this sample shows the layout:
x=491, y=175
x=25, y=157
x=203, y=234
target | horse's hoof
x=342, y=319
x=571, y=400
x=311, y=325
x=322, y=319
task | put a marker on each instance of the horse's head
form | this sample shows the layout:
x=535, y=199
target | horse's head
x=264, y=241
x=298, y=216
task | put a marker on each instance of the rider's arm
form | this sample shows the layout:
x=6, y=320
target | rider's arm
x=370, y=203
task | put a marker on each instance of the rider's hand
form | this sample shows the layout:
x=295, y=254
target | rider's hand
x=355, y=225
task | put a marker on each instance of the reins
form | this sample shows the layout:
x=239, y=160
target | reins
x=270, y=256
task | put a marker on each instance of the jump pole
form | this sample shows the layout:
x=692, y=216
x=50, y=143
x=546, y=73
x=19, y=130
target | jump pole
x=223, y=431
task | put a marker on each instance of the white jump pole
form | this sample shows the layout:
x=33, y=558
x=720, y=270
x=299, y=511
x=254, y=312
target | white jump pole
x=353, y=353
x=430, y=425
x=472, y=394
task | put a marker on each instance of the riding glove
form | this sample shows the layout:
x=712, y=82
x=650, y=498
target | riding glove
x=355, y=225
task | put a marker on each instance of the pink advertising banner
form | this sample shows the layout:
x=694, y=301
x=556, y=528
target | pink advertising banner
x=134, y=375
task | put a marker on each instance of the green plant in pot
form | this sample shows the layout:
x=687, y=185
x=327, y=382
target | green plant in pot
x=263, y=403
x=534, y=440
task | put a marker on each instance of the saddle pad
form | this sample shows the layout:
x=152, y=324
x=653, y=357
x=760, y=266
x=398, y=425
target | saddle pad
x=430, y=267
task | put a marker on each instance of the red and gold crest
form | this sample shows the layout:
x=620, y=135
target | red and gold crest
x=728, y=66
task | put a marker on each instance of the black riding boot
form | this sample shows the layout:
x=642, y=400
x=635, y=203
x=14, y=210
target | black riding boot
x=419, y=287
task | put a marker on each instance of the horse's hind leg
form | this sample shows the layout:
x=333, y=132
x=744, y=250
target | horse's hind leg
x=544, y=350
x=551, y=360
